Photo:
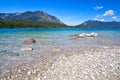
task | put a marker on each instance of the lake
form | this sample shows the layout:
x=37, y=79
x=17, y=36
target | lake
x=46, y=38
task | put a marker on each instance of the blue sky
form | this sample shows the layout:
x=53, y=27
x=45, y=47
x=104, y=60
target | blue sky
x=71, y=12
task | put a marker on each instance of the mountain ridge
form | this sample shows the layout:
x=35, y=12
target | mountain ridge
x=101, y=24
x=39, y=16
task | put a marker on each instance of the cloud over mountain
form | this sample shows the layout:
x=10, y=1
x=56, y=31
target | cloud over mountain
x=114, y=17
x=109, y=13
x=99, y=18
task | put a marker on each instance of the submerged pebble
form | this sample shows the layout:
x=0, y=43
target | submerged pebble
x=26, y=49
x=29, y=41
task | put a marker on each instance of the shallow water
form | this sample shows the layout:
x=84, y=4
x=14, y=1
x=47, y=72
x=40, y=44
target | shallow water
x=52, y=35
x=11, y=39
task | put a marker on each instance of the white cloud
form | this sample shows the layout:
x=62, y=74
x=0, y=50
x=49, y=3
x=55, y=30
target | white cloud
x=114, y=17
x=95, y=19
x=109, y=13
x=98, y=7
x=102, y=20
x=97, y=16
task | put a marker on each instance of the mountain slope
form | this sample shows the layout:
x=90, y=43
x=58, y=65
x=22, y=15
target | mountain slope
x=39, y=16
x=100, y=24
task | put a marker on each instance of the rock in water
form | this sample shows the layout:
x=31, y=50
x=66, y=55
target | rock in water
x=84, y=35
x=26, y=49
x=29, y=41
x=93, y=34
x=56, y=49
x=73, y=38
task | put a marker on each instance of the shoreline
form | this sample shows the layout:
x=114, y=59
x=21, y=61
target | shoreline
x=75, y=62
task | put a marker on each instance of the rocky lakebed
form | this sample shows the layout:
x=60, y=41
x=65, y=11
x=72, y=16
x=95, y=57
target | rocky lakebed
x=83, y=61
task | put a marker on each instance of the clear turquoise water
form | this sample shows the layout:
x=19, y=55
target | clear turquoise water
x=52, y=35
x=11, y=39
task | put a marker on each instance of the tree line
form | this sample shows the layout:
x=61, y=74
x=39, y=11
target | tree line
x=33, y=24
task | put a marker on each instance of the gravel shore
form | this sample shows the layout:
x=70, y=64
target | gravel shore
x=74, y=62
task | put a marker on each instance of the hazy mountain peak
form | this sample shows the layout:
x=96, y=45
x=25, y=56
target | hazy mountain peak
x=101, y=24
